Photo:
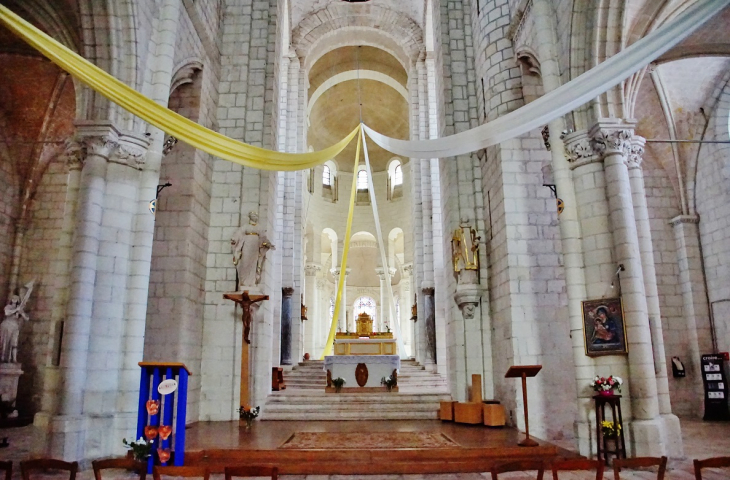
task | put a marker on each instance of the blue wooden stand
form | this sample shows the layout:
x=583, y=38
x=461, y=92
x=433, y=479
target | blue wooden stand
x=153, y=373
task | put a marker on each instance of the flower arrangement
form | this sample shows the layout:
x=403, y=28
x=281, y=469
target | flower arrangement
x=610, y=429
x=141, y=449
x=338, y=383
x=248, y=414
x=390, y=381
x=603, y=384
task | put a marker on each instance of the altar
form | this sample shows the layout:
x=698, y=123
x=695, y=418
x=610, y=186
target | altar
x=362, y=358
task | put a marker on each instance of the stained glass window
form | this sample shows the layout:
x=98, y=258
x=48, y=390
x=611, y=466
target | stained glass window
x=365, y=304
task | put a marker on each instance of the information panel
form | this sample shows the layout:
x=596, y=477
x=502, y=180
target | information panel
x=714, y=377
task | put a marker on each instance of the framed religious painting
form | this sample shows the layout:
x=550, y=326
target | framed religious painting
x=604, y=331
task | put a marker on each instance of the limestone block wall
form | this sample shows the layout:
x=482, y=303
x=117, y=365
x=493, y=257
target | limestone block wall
x=40, y=244
x=9, y=209
x=712, y=196
x=246, y=85
x=661, y=201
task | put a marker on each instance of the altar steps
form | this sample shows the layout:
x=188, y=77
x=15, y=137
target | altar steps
x=304, y=398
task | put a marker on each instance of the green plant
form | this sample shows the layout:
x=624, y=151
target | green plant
x=338, y=383
x=141, y=449
x=610, y=429
x=390, y=381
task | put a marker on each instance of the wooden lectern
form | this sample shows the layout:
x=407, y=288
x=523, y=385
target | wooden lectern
x=524, y=371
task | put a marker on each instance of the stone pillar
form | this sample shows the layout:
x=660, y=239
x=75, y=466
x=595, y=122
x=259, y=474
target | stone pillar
x=286, y=306
x=613, y=141
x=643, y=227
x=342, y=321
x=694, y=299
x=467, y=298
x=311, y=300
x=406, y=325
x=570, y=226
x=97, y=141
x=429, y=326
x=384, y=309
x=323, y=314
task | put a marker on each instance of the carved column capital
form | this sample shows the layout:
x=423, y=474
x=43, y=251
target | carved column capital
x=611, y=140
x=428, y=291
x=579, y=149
x=287, y=291
x=131, y=151
x=636, y=152
x=408, y=269
x=73, y=154
x=311, y=269
x=684, y=219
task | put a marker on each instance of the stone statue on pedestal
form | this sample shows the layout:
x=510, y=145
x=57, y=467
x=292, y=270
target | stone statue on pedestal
x=250, y=245
x=10, y=326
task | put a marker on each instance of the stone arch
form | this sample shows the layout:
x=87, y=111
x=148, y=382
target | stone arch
x=184, y=72
x=333, y=27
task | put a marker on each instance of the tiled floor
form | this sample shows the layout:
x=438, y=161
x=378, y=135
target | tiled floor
x=701, y=440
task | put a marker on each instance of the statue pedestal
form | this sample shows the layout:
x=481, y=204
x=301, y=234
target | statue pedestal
x=9, y=375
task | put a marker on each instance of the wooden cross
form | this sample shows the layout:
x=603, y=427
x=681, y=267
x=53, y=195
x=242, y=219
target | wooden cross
x=245, y=301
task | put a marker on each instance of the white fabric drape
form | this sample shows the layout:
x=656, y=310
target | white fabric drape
x=383, y=256
x=563, y=99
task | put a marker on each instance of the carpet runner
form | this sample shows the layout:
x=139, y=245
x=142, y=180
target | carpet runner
x=367, y=441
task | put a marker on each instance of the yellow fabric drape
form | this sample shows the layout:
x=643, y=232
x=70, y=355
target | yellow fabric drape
x=170, y=122
x=345, y=251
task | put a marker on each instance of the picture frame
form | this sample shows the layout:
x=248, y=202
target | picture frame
x=604, y=329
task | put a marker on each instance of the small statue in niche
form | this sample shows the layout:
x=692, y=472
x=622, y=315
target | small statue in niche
x=250, y=245
x=10, y=326
x=304, y=309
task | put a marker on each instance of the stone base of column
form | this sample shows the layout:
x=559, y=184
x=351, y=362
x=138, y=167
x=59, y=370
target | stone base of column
x=82, y=438
x=646, y=438
x=673, y=431
x=585, y=433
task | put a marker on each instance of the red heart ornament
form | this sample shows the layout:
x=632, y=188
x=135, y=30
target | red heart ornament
x=153, y=407
x=165, y=431
x=150, y=431
x=164, y=454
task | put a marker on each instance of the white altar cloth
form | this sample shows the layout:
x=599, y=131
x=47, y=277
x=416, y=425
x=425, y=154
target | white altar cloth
x=378, y=366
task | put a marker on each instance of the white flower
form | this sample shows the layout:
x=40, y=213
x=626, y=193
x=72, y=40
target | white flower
x=618, y=380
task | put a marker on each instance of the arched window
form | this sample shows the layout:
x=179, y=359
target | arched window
x=326, y=176
x=332, y=308
x=398, y=175
x=365, y=304
x=362, y=180
x=397, y=308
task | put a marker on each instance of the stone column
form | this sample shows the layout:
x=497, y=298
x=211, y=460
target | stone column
x=694, y=299
x=467, y=298
x=406, y=325
x=97, y=141
x=383, y=320
x=286, y=306
x=323, y=313
x=643, y=227
x=342, y=321
x=311, y=296
x=429, y=326
x=613, y=141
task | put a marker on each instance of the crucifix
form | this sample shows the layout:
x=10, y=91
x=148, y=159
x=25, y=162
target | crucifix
x=245, y=301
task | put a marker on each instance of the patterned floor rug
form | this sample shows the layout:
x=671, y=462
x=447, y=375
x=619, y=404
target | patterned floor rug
x=372, y=441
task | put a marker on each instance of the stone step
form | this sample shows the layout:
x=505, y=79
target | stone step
x=351, y=415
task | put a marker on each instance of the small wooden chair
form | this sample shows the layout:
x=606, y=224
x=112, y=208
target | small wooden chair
x=7, y=467
x=252, y=471
x=577, y=464
x=640, y=462
x=714, y=462
x=41, y=464
x=519, y=466
x=123, y=463
x=158, y=471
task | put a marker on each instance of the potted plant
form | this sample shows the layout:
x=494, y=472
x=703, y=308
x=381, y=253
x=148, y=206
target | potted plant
x=248, y=414
x=606, y=386
x=141, y=449
x=390, y=381
x=338, y=383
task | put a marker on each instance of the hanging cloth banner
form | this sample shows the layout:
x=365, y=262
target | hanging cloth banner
x=343, y=264
x=166, y=120
x=383, y=256
x=564, y=99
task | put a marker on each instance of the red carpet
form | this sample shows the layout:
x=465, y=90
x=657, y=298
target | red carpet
x=367, y=441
